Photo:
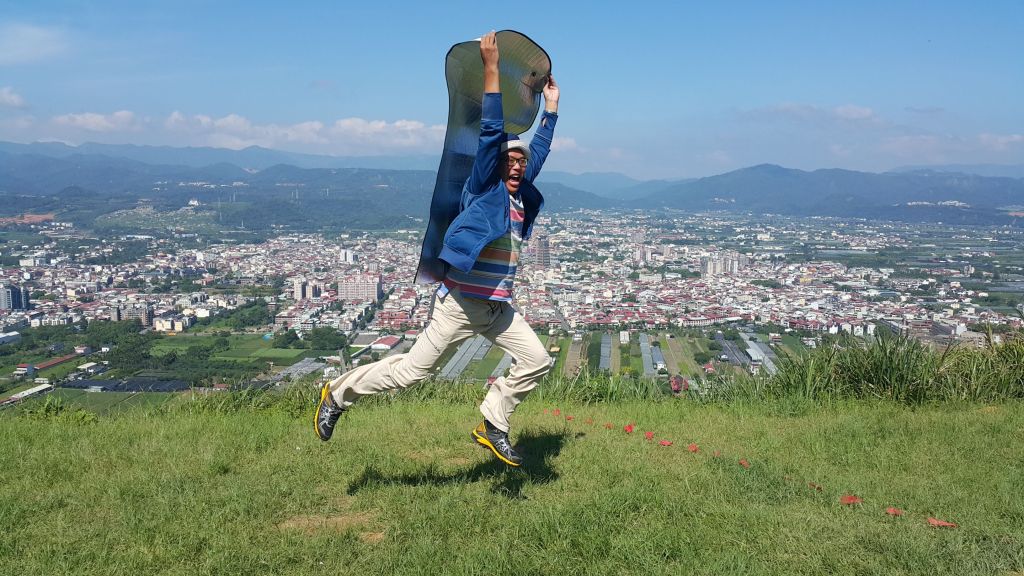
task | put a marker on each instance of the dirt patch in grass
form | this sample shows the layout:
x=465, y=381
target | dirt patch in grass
x=371, y=537
x=311, y=525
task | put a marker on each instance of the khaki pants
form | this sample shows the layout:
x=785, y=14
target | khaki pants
x=453, y=319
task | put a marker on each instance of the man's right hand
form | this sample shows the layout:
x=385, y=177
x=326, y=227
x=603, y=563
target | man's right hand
x=489, y=49
x=489, y=55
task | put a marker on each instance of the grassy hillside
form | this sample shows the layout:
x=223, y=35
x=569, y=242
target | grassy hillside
x=239, y=485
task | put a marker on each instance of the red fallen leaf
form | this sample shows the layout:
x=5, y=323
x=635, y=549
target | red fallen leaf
x=941, y=523
x=628, y=428
x=608, y=425
x=545, y=410
x=665, y=442
x=693, y=448
x=589, y=420
x=893, y=511
x=717, y=453
x=815, y=485
x=557, y=412
x=649, y=435
x=850, y=499
x=570, y=417
x=744, y=463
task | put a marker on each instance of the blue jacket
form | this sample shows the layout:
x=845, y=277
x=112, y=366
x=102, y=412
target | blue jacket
x=483, y=212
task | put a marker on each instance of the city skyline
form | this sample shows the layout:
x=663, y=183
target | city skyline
x=665, y=91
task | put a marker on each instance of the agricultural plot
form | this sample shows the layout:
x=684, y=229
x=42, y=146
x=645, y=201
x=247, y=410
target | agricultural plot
x=243, y=348
x=103, y=403
x=574, y=357
x=483, y=369
x=564, y=344
x=616, y=358
x=677, y=359
x=790, y=345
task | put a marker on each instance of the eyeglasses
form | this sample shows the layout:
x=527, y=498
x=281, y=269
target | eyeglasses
x=510, y=161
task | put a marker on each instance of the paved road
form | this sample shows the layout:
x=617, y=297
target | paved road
x=736, y=357
x=606, y=352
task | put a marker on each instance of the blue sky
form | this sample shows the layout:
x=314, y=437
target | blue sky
x=649, y=89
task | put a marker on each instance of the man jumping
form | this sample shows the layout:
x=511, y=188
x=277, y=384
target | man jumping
x=481, y=246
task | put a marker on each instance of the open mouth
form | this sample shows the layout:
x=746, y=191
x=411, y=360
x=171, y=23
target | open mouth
x=514, y=179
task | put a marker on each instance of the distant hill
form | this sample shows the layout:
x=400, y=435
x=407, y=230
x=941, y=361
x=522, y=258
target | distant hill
x=285, y=194
x=946, y=197
x=610, y=185
x=559, y=197
x=601, y=183
x=990, y=170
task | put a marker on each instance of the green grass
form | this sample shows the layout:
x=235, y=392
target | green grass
x=678, y=349
x=792, y=345
x=242, y=345
x=244, y=348
x=903, y=369
x=218, y=486
x=278, y=353
x=482, y=369
x=103, y=403
x=563, y=353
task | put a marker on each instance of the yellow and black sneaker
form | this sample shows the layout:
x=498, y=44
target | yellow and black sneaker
x=487, y=435
x=327, y=413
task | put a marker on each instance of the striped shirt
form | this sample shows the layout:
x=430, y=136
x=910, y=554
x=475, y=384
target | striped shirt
x=494, y=271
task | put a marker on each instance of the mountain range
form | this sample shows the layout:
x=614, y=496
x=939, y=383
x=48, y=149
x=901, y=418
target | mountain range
x=313, y=189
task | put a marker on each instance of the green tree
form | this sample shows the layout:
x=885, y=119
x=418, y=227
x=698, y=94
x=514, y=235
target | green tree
x=285, y=339
x=325, y=338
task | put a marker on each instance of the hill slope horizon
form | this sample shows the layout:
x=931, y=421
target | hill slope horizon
x=48, y=169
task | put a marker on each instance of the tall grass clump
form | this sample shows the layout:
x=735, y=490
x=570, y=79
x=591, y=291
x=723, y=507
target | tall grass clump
x=892, y=367
x=993, y=372
x=585, y=387
x=905, y=370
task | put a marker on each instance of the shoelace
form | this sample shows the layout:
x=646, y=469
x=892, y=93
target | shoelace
x=328, y=415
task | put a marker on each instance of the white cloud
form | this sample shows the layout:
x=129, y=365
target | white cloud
x=178, y=122
x=562, y=144
x=8, y=97
x=120, y=121
x=24, y=43
x=233, y=123
x=359, y=136
x=348, y=136
x=1000, y=142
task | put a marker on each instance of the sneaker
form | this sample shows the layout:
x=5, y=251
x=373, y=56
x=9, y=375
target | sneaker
x=489, y=436
x=327, y=413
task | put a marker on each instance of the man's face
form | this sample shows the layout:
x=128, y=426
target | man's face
x=513, y=166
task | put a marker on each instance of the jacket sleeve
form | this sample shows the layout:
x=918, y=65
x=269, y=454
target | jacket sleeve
x=541, y=144
x=492, y=131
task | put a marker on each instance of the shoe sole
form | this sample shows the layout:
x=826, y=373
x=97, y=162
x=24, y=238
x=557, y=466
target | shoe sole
x=324, y=391
x=483, y=441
